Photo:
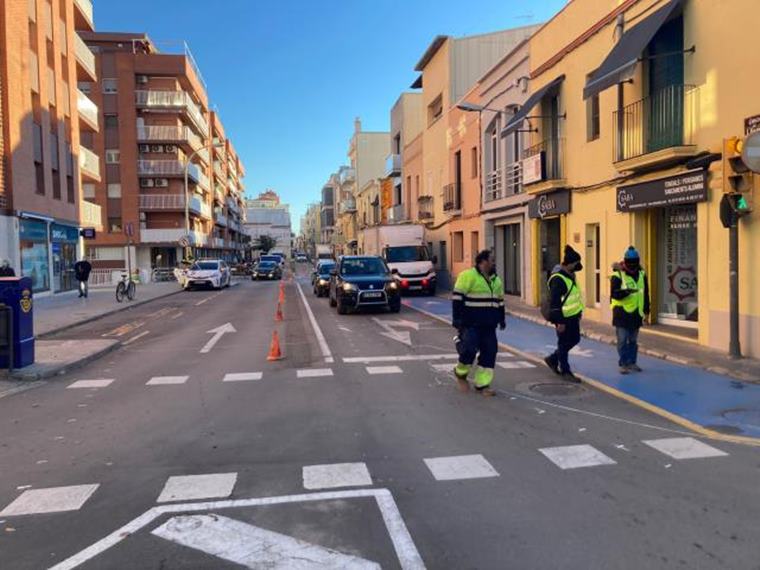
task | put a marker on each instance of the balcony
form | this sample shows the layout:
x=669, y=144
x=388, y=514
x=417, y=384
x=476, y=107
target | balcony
x=164, y=168
x=220, y=219
x=233, y=205
x=219, y=170
x=493, y=186
x=162, y=202
x=503, y=182
x=397, y=214
x=203, y=155
x=89, y=164
x=203, y=181
x=91, y=215
x=452, y=198
x=217, y=242
x=83, y=16
x=86, y=60
x=657, y=130
x=543, y=165
x=173, y=100
x=425, y=207
x=169, y=134
x=347, y=206
x=347, y=175
x=393, y=165
x=171, y=236
x=219, y=194
x=88, y=112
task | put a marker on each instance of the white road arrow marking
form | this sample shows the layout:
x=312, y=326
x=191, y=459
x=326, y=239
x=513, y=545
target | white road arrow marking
x=404, y=337
x=253, y=547
x=218, y=332
x=577, y=351
x=404, y=323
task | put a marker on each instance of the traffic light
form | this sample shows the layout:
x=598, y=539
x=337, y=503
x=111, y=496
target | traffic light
x=738, y=179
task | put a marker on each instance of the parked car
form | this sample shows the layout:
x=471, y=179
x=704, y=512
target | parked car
x=267, y=270
x=301, y=258
x=321, y=278
x=363, y=281
x=213, y=273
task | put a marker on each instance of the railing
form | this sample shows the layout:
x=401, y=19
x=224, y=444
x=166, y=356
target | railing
x=175, y=99
x=85, y=6
x=84, y=56
x=392, y=164
x=664, y=119
x=105, y=277
x=425, y=207
x=504, y=182
x=493, y=185
x=167, y=168
x=217, y=242
x=203, y=154
x=89, y=163
x=219, y=194
x=162, y=201
x=205, y=210
x=347, y=175
x=553, y=151
x=452, y=197
x=87, y=109
x=220, y=219
x=513, y=182
x=92, y=215
x=161, y=235
x=232, y=205
x=347, y=206
x=202, y=179
x=397, y=213
x=169, y=133
x=219, y=170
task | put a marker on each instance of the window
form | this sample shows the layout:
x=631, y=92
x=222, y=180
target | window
x=85, y=87
x=110, y=85
x=474, y=162
x=114, y=225
x=593, y=272
x=474, y=245
x=34, y=71
x=51, y=85
x=435, y=110
x=114, y=190
x=70, y=189
x=457, y=247
x=54, y=150
x=111, y=121
x=56, y=185
x=592, y=117
x=88, y=191
x=39, y=178
x=112, y=156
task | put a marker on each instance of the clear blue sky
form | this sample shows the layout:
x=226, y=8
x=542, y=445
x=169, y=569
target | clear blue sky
x=289, y=76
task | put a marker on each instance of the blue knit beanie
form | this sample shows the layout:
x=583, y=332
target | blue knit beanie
x=631, y=253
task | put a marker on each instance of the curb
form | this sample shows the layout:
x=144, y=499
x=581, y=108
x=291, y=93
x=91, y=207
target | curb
x=21, y=375
x=602, y=387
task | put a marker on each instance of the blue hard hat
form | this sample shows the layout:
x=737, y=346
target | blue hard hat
x=631, y=253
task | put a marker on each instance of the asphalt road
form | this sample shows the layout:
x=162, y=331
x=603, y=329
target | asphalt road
x=190, y=450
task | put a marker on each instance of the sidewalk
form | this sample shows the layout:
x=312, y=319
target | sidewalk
x=711, y=403
x=65, y=310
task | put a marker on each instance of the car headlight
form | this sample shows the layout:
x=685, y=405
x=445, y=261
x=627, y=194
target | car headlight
x=393, y=285
x=348, y=287
x=323, y=281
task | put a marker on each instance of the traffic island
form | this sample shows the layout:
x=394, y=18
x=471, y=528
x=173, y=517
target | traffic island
x=56, y=357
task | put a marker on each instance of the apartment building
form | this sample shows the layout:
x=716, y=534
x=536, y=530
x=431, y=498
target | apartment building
x=44, y=116
x=266, y=215
x=345, y=237
x=328, y=208
x=628, y=100
x=170, y=181
x=448, y=70
x=406, y=126
x=310, y=228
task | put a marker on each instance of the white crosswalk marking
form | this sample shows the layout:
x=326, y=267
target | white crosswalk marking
x=445, y=367
x=313, y=372
x=102, y=383
x=516, y=364
x=191, y=487
x=161, y=380
x=460, y=467
x=575, y=456
x=384, y=370
x=242, y=376
x=684, y=448
x=336, y=475
x=50, y=500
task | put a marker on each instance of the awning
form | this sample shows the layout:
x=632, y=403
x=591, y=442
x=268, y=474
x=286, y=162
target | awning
x=550, y=88
x=620, y=63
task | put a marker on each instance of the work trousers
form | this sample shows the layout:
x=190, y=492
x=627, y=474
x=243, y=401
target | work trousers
x=627, y=345
x=566, y=341
x=83, y=288
x=480, y=342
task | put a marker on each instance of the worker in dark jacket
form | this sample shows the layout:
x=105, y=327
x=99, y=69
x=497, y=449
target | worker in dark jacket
x=629, y=299
x=6, y=270
x=566, y=311
x=82, y=269
x=478, y=308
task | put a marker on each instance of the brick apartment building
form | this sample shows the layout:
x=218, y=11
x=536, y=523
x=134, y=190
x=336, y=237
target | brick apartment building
x=43, y=115
x=156, y=128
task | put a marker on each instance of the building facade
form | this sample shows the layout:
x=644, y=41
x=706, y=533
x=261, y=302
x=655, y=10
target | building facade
x=406, y=126
x=266, y=215
x=328, y=210
x=45, y=116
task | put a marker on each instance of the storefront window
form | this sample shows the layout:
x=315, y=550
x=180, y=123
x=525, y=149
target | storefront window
x=64, y=245
x=678, y=265
x=33, y=237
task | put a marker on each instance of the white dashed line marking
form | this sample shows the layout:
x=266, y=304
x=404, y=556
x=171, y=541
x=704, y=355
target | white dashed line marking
x=575, y=456
x=102, y=383
x=460, y=467
x=50, y=500
x=242, y=376
x=684, y=448
x=191, y=487
x=384, y=370
x=515, y=364
x=162, y=380
x=313, y=372
x=336, y=475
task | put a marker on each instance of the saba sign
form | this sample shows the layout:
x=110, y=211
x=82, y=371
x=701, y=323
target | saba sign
x=685, y=188
x=549, y=204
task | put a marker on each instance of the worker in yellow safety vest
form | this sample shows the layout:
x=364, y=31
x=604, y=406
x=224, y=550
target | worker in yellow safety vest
x=629, y=299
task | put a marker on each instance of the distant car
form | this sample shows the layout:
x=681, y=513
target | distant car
x=213, y=273
x=276, y=257
x=267, y=270
x=321, y=279
x=301, y=258
x=363, y=281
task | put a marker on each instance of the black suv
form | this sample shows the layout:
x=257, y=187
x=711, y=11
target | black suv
x=321, y=277
x=363, y=281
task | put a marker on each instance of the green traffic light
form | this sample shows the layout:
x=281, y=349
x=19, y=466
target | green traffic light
x=741, y=204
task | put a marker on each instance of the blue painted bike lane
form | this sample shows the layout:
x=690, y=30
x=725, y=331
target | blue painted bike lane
x=716, y=403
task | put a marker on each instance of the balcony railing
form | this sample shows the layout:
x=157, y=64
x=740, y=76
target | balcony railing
x=347, y=175
x=168, y=235
x=552, y=153
x=219, y=170
x=493, y=186
x=202, y=179
x=169, y=133
x=89, y=163
x=397, y=214
x=664, y=119
x=87, y=110
x=219, y=193
x=217, y=242
x=162, y=201
x=175, y=99
x=167, y=168
x=85, y=57
x=425, y=207
x=393, y=165
x=203, y=154
x=452, y=197
x=347, y=206
x=92, y=215
x=220, y=219
x=503, y=182
x=85, y=8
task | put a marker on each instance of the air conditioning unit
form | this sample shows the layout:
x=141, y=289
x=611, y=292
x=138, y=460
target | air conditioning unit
x=142, y=78
x=162, y=182
x=146, y=183
x=156, y=148
x=170, y=148
x=144, y=147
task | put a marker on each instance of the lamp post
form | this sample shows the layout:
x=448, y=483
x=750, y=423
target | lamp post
x=187, y=196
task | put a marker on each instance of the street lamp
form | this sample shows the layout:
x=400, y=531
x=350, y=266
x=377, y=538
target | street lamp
x=187, y=195
x=475, y=108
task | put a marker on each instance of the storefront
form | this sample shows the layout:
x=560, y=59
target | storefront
x=548, y=210
x=63, y=242
x=34, y=245
x=672, y=203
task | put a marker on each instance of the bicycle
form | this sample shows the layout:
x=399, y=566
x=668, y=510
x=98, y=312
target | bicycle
x=125, y=288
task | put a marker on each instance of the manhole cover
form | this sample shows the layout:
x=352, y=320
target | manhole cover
x=743, y=416
x=556, y=389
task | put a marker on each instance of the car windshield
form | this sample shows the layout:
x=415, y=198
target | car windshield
x=205, y=266
x=267, y=265
x=406, y=253
x=363, y=266
x=272, y=258
x=325, y=268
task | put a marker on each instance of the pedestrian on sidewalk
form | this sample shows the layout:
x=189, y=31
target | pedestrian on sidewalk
x=82, y=269
x=477, y=309
x=6, y=270
x=566, y=310
x=629, y=299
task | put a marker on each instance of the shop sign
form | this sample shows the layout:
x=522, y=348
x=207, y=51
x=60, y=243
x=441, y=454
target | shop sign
x=687, y=188
x=87, y=233
x=549, y=204
x=63, y=233
x=533, y=168
x=33, y=230
x=751, y=125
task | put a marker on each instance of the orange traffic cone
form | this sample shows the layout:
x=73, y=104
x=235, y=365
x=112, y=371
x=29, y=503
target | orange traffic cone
x=274, y=349
x=282, y=295
x=278, y=314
